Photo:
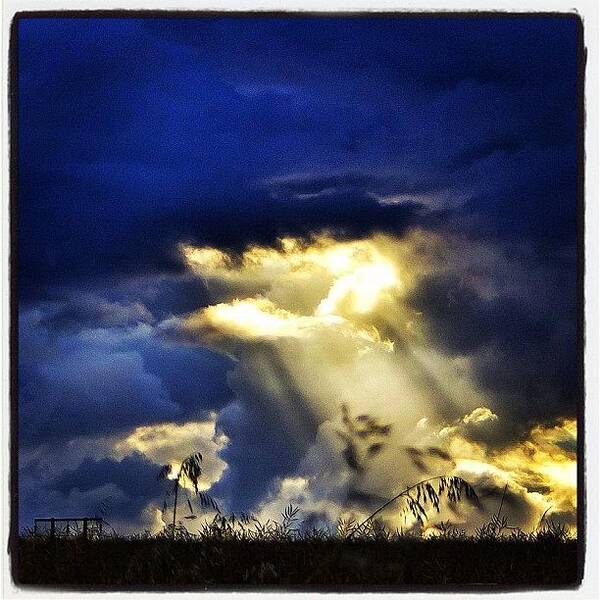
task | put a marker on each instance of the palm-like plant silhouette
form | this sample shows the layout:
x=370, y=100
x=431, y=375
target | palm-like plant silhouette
x=190, y=470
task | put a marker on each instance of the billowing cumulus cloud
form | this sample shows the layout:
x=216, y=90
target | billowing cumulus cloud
x=170, y=443
x=348, y=370
x=90, y=385
x=115, y=476
x=531, y=479
x=333, y=357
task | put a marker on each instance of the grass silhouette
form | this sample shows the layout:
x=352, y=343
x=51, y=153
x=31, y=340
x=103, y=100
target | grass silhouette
x=242, y=551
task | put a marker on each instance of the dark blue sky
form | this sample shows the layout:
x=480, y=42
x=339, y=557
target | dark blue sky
x=180, y=127
x=136, y=134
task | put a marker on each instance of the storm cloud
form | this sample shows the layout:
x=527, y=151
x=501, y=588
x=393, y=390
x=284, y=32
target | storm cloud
x=230, y=229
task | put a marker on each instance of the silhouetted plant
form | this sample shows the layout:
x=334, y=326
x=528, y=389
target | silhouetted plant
x=289, y=518
x=420, y=494
x=189, y=470
x=364, y=437
x=448, y=530
x=345, y=527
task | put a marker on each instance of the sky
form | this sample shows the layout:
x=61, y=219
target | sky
x=335, y=255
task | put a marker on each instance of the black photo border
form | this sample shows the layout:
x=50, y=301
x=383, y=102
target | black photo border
x=13, y=104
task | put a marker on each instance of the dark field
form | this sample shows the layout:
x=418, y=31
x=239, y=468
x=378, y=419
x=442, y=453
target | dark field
x=324, y=563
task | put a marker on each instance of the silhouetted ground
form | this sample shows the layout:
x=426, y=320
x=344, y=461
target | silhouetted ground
x=120, y=562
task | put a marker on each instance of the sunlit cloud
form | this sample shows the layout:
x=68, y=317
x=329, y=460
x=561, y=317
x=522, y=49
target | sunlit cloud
x=546, y=462
x=259, y=317
x=322, y=276
x=319, y=324
x=542, y=467
x=305, y=288
x=530, y=479
x=170, y=443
